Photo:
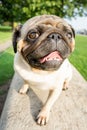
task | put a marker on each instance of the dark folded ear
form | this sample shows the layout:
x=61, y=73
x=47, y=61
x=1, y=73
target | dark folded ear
x=73, y=31
x=16, y=35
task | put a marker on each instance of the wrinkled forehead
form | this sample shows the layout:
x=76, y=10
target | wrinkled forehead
x=49, y=20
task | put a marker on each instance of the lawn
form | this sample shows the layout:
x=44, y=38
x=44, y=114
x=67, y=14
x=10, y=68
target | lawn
x=5, y=34
x=79, y=56
x=6, y=58
x=6, y=65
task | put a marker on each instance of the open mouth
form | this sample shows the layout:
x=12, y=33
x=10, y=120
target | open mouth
x=50, y=57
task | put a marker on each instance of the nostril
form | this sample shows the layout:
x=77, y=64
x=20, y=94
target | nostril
x=55, y=36
x=59, y=36
x=51, y=36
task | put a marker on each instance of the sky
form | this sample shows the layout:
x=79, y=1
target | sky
x=78, y=23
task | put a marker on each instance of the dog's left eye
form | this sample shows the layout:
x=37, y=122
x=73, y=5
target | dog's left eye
x=33, y=35
x=69, y=35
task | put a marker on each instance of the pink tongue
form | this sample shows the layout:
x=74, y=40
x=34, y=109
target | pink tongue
x=52, y=56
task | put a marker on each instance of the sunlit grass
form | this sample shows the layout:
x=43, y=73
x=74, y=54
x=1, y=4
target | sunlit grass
x=79, y=56
x=6, y=65
x=5, y=34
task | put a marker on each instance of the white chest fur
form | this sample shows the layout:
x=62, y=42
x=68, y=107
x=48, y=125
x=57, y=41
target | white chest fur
x=42, y=79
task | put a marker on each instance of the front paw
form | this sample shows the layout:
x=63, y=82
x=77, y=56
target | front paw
x=43, y=117
x=24, y=89
x=65, y=86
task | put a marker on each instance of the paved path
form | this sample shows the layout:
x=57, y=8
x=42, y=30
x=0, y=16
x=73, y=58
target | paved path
x=68, y=113
x=6, y=45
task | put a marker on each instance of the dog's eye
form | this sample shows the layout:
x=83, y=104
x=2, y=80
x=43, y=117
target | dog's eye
x=33, y=35
x=69, y=35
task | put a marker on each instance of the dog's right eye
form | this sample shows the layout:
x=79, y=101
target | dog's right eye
x=69, y=35
x=33, y=35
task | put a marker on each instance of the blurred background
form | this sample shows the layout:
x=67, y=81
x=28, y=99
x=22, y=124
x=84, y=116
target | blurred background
x=14, y=12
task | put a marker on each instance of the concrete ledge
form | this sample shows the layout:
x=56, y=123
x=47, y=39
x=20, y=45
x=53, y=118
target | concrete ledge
x=68, y=113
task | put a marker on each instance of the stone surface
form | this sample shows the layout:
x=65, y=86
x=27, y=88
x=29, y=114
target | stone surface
x=68, y=113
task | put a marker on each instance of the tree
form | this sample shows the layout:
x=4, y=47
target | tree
x=62, y=8
x=20, y=10
x=11, y=10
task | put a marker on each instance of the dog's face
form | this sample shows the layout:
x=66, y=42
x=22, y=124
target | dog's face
x=44, y=41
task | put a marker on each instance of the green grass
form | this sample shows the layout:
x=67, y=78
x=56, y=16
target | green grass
x=5, y=28
x=79, y=56
x=5, y=34
x=6, y=65
x=5, y=37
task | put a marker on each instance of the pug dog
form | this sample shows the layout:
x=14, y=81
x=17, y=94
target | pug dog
x=42, y=46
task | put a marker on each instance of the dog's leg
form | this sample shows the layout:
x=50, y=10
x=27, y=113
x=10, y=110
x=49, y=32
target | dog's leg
x=68, y=78
x=65, y=85
x=24, y=89
x=43, y=116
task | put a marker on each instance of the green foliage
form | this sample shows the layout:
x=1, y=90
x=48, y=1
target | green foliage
x=62, y=8
x=20, y=10
x=79, y=56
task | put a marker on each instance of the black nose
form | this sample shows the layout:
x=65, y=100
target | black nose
x=55, y=36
